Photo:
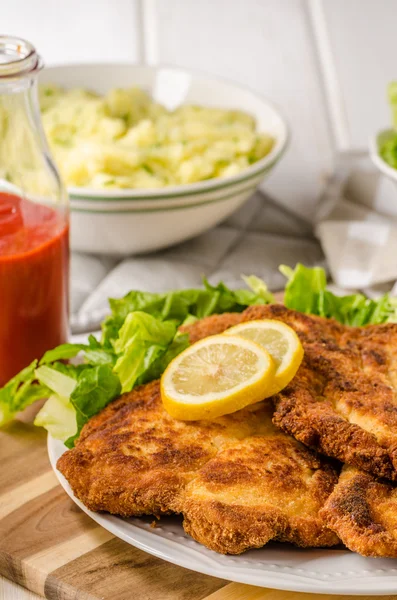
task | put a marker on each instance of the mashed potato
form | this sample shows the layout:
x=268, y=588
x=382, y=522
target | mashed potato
x=125, y=140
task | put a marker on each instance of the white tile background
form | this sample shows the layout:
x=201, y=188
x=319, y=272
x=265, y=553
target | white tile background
x=326, y=63
x=77, y=30
x=361, y=34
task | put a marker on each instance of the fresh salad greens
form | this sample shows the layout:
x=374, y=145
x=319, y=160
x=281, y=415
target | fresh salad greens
x=141, y=336
x=306, y=291
x=182, y=305
x=20, y=392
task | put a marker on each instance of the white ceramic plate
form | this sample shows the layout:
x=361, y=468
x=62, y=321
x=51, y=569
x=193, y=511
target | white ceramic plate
x=278, y=566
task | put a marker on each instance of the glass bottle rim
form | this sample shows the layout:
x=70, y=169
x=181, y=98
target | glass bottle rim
x=18, y=58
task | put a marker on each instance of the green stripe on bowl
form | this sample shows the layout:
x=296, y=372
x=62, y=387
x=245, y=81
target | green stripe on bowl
x=166, y=208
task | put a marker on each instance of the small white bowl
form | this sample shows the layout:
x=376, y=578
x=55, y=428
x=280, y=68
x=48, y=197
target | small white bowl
x=376, y=158
x=130, y=221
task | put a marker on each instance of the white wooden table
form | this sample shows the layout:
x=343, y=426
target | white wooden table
x=12, y=591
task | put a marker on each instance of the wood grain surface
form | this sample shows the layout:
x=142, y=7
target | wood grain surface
x=49, y=546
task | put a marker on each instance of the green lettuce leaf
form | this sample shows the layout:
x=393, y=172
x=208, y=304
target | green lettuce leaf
x=95, y=388
x=261, y=293
x=142, y=340
x=387, y=139
x=306, y=291
x=59, y=383
x=73, y=401
x=393, y=308
x=62, y=352
x=303, y=288
x=70, y=369
x=226, y=300
x=180, y=305
x=93, y=353
x=157, y=368
x=58, y=417
x=21, y=391
x=387, y=146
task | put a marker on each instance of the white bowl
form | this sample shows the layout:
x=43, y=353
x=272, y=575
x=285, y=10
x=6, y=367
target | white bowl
x=129, y=221
x=136, y=231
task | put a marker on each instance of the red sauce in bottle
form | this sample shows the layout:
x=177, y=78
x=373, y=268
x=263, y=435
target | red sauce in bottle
x=34, y=269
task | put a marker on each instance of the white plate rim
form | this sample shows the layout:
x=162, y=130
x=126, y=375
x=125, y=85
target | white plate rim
x=191, y=555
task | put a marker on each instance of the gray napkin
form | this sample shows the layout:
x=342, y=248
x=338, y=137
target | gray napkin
x=357, y=227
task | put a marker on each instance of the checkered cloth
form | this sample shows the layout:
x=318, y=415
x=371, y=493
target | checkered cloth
x=255, y=240
x=357, y=226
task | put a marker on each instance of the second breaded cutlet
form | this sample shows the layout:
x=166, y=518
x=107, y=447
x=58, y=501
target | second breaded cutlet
x=363, y=512
x=342, y=402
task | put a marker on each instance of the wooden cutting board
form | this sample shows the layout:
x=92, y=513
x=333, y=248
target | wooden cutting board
x=51, y=547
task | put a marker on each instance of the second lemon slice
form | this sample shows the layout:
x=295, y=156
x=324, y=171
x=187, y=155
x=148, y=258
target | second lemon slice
x=216, y=376
x=280, y=341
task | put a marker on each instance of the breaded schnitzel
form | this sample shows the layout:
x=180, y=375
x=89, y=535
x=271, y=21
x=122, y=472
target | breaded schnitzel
x=342, y=402
x=237, y=480
x=363, y=512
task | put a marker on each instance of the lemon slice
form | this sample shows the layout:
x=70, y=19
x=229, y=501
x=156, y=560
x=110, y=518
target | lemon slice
x=216, y=376
x=280, y=341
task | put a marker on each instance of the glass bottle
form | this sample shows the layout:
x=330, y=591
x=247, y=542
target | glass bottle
x=34, y=219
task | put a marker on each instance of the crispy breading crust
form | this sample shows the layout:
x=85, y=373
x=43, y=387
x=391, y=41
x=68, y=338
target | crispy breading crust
x=238, y=481
x=342, y=400
x=262, y=488
x=363, y=512
x=134, y=459
x=320, y=428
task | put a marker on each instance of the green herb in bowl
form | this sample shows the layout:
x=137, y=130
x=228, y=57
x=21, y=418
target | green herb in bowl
x=387, y=140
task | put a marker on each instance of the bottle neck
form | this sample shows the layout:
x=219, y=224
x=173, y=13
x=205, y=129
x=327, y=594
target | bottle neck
x=18, y=58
